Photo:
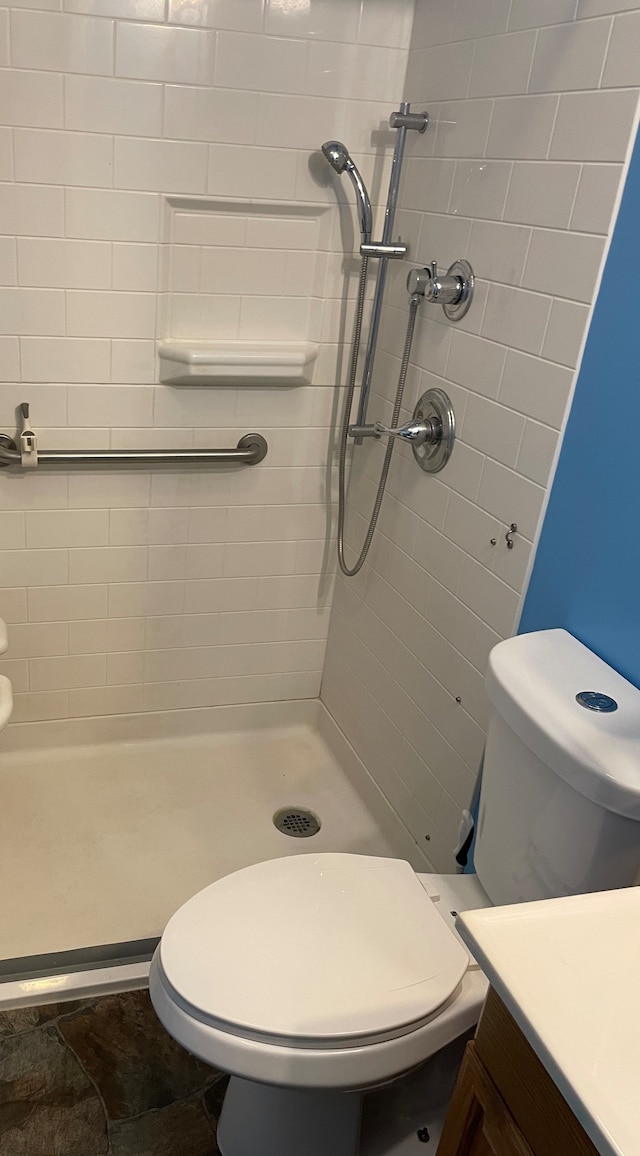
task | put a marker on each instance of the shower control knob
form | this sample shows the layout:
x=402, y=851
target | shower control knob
x=453, y=289
x=418, y=280
x=444, y=290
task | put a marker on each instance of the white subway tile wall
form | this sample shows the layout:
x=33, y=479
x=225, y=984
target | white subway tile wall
x=533, y=110
x=132, y=135
x=134, y=591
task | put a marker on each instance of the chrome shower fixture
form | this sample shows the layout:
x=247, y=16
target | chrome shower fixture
x=338, y=157
x=425, y=435
x=453, y=289
x=431, y=432
x=337, y=154
x=403, y=120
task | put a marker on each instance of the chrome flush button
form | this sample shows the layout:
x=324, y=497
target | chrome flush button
x=594, y=700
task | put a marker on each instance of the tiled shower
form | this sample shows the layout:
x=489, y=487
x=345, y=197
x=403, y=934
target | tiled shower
x=533, y=108
x=135, y=140
x=184, y=660
x=160, y=180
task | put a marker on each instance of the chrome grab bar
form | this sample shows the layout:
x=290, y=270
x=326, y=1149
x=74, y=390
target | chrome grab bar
x=251, y=449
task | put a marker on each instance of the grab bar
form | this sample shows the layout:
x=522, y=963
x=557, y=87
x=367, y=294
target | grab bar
x=251, y=449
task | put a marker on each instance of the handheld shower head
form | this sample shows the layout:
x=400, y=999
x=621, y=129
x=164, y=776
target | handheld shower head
x=338, y=157
x=336, y=154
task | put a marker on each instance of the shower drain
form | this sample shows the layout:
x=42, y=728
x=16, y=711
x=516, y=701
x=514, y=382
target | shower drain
x=296, y=822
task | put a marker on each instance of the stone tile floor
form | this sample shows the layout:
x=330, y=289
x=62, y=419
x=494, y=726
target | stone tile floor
x=102, y=1078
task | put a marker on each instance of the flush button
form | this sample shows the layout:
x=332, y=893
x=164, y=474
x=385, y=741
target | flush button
x=593, y=700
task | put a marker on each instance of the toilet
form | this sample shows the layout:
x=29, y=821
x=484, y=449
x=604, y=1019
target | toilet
x=313, y=978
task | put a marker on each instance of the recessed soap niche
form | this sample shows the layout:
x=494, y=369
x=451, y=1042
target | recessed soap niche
x=242, y=286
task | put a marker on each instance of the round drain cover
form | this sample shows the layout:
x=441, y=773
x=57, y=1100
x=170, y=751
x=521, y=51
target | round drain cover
x=297, y=822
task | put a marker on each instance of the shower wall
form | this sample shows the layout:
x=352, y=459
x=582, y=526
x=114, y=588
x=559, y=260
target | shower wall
x=155, y=180
x=533, y=114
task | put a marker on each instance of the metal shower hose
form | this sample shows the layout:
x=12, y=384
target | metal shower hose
x=344, y=433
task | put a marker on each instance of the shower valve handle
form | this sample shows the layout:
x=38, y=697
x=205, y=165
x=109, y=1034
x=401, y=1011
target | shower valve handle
x=453, y=289
x=419, y=280
x=444, y=290
x=431, y=432
x=421, y=432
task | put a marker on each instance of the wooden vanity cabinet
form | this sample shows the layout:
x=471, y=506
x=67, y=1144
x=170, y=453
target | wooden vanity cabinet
x=505, y=1102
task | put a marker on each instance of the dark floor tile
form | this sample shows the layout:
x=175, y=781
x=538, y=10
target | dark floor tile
x=178, y=1130
x=136, y=1065
x=37, y=1066
x=48, y=1106
x=24, y=1019
x=77, y=1130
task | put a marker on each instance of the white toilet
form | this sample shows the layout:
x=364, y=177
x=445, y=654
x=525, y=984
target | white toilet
x=315, y=977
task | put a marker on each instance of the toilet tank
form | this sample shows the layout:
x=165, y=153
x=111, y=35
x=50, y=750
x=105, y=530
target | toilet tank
x=559, y=806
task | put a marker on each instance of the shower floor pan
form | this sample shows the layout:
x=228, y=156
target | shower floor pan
x=102, y=840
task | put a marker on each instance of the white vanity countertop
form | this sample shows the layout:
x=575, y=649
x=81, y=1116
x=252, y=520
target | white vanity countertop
x=569, y=972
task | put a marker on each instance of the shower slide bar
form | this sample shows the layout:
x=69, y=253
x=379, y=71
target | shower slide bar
x=250, y=450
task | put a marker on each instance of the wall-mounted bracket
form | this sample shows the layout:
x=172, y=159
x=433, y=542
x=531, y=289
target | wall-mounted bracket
x=395, y=250
x=412, y=120
x=28, y=440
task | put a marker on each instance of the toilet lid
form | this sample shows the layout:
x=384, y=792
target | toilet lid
x=320, y=948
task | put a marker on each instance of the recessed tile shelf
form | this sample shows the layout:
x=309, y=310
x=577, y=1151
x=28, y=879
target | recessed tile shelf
x=252, y=363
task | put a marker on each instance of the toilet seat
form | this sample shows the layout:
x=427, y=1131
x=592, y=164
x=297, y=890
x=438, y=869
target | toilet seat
x=343, y=1068
x=325, y=952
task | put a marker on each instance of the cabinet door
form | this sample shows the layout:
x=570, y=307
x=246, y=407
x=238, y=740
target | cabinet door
x=534, y=1101
x=478, y=1122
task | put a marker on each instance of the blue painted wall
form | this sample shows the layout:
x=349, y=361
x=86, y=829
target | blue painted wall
x=586, y=575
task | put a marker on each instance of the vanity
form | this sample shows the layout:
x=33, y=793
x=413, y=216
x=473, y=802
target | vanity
x=554, y=1069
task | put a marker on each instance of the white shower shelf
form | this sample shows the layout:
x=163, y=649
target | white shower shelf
x=6, y=690
x=6, y=701
x=223, y=363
